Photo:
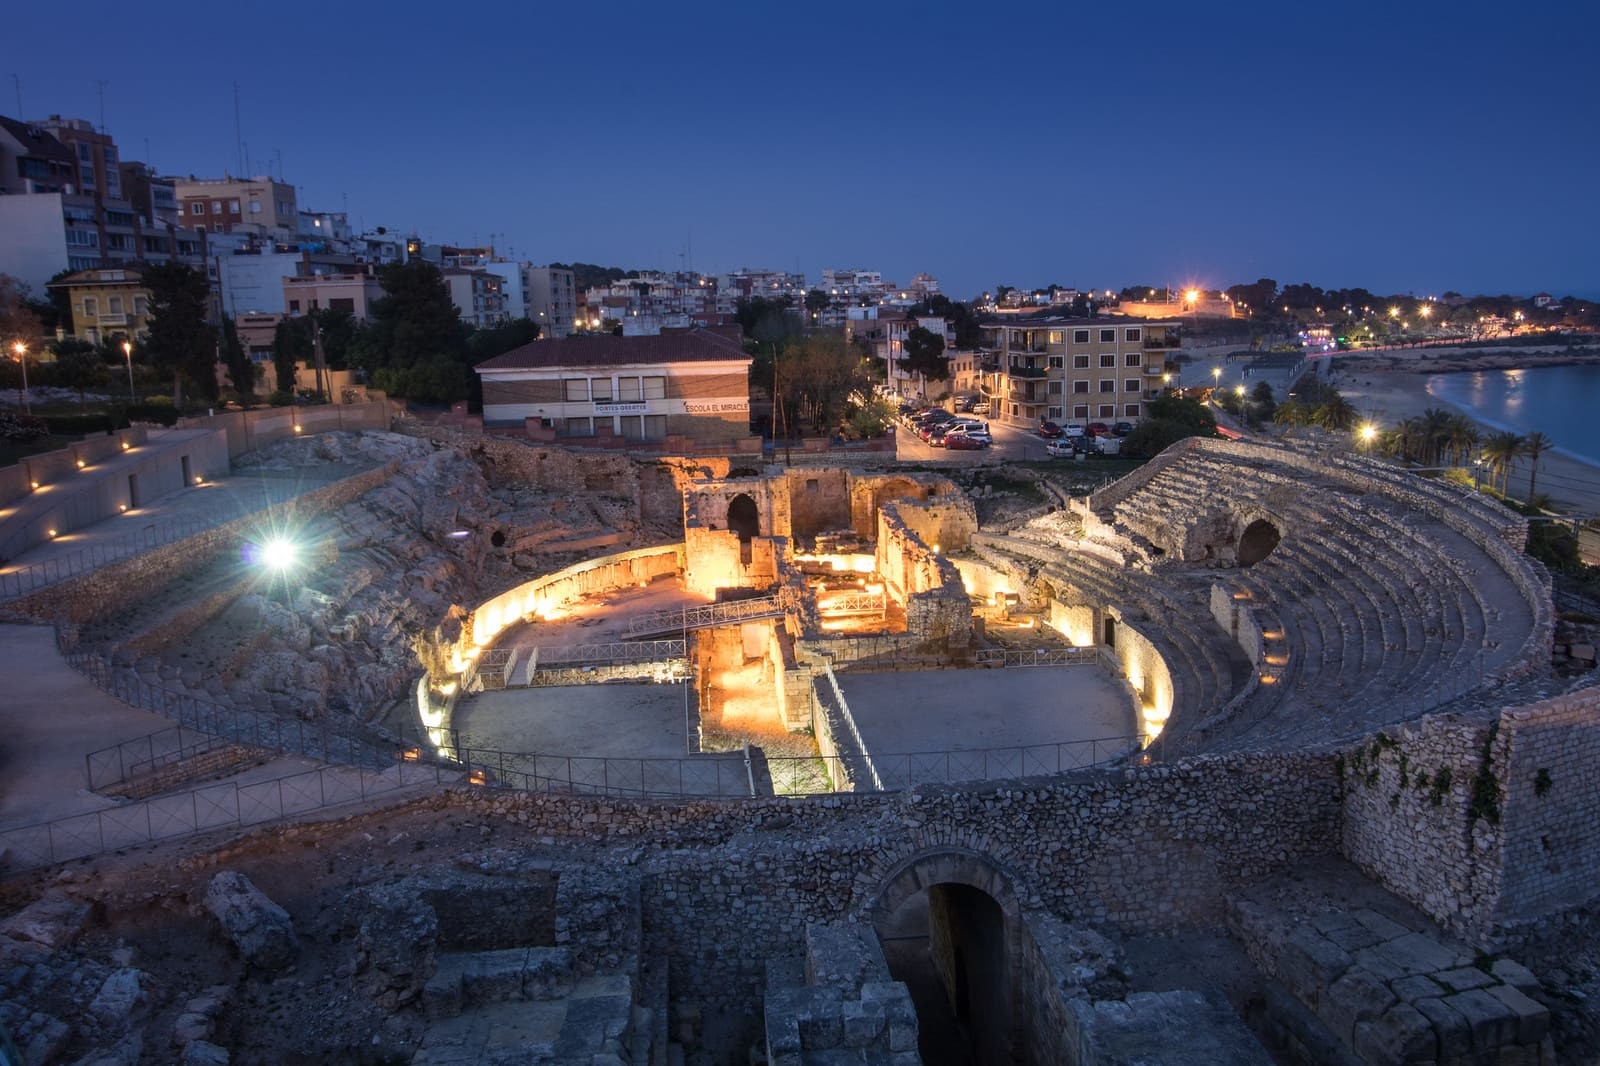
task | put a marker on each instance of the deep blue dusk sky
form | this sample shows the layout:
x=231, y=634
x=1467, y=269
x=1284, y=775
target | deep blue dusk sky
x=1404, y=147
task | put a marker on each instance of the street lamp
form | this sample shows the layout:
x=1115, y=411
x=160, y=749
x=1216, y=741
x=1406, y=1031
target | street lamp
x=127, y=357
x=1216, y=376
x=1368, y=432
x=22, y=394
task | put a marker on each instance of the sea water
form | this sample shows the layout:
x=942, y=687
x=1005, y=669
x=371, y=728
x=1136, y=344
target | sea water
x=1562, y=402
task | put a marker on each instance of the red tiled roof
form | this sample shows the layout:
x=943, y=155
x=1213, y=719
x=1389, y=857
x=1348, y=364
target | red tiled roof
x=701, y=344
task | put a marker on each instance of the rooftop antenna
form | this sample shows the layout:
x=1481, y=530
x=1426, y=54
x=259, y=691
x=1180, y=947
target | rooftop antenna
x=102, y=83
x=238, y=127
x=17, y=81
x=147, y=153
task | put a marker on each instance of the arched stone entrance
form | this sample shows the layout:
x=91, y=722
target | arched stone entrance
x=949, y=923
x=744, y=521
x=1257, y=542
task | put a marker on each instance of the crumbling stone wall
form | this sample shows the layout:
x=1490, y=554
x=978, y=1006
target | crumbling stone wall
x=819, y=500
x=924, y=580
x=730, y=882
x=1486, y=823
x=706, y=503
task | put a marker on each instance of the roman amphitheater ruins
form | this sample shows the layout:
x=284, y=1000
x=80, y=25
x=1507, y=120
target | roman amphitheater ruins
x=536, y=755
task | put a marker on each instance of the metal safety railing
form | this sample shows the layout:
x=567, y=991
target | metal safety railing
x=704, y=616
x=1003, y=657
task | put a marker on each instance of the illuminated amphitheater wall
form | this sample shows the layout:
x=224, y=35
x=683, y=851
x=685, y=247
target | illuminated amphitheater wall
x=913, y=536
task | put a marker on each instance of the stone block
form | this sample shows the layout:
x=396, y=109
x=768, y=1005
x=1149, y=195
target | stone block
x=547, y=974
x=1492, y=1023
x=861, y=1023
x=1310, y=963
x=1450, y=1028
x=1533, y=1020
x=493, y=976
x=258, y=927
x=1416, y=953
x=441, y=996
x=1356, y=997
x=1402, y=1035
x=201, y=1053
x=1373, y=961
x=1411, y=989
x=1582, y=652
x=1464, y=977
x=1352, y=937
x=120, y=1000
x=1516, y=975
x=1381, y=927
x=822, y=1026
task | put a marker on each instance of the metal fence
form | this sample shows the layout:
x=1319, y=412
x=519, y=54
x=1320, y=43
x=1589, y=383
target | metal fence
x=320, y=740
x=702, y=616
x=121, y=763
x=221, y=806
x=992, y=657
x=22, y=580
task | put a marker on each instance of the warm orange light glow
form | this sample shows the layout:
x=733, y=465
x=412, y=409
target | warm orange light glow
x=1191, y=296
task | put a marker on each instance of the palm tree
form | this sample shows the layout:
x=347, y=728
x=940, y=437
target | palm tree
x=1435, y=432
x=1409, y=437
x=1290, y=413
x=1500, y=451
x=1534, y=445
x=1335, y=414
x=1463, y=438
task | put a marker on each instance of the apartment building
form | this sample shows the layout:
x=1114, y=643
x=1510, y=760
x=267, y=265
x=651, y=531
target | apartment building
x=692, y=383
x=479, y=296
x=354, y=292
x=747, y=283
x=107, y=303
x=66, y=204
x=261, y=206
x=552, y=299
x=1098, y=369
x=884, y=331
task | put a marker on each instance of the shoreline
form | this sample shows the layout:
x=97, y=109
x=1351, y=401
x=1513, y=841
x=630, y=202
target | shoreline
x=1389, y=396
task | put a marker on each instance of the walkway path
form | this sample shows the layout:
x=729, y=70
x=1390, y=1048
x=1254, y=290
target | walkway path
x=50, y=718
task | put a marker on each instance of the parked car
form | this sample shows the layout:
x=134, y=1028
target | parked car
x=981, y=407
x=940, y=433
x=1122, y=429
x=1098, y=429
x=1109, y=445
x=1049, y=430
x=1074, y=429
x=966, y=442
x=1064, y=448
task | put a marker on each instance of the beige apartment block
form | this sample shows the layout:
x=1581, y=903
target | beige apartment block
x=1076, y=369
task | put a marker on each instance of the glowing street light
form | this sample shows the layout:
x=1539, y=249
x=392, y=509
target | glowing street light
x=1238, y=390
x=278, y=554
x=1216, y=376
x=1368, y=432
x=22, y=394
x=1191, y=296
x=127, y=356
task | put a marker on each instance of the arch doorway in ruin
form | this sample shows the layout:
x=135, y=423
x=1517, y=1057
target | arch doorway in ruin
x=949, y=924
x=744, y=521
x=1257, y=542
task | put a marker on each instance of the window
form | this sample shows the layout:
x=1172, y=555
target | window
x=342, y=303
x=1080, y=362
x=197, y=208
x=577, y=389
x=233, y=207
x=91, y=306
x=1055, y=336
x=114, y=305
x=1080, y=387
x=600, y=389
x=632, y=427
x=1080, y=411
x=1132, y=358
x=1055, y=388
x=1130, y=410
x=1054, y=413
x=139, y=305
x=1132, y=385
x=1108, y=410
x=655, y=389
x=580, y=427
x=628, y=390
x=1131, y=333
x=1080, y=336
x=294, y=307
x=1056, y=362
x=83, y=238
x=1108, y=359
x=85, y=153
x=255, y=207
x=1108, y=385
x=655, y=427
x=216, y=207
x=1108, y=336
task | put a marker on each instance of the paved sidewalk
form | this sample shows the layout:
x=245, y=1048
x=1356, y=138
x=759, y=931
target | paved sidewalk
x=50, y=718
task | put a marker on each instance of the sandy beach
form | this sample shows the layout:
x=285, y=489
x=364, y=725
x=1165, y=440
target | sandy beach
x=1388, y=397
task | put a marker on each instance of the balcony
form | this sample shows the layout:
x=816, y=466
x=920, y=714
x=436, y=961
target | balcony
x=108, y=319
x=1157, y=343
x=1028, y=372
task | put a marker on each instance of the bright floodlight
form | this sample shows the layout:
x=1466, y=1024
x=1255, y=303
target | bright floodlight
x=279, y=554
